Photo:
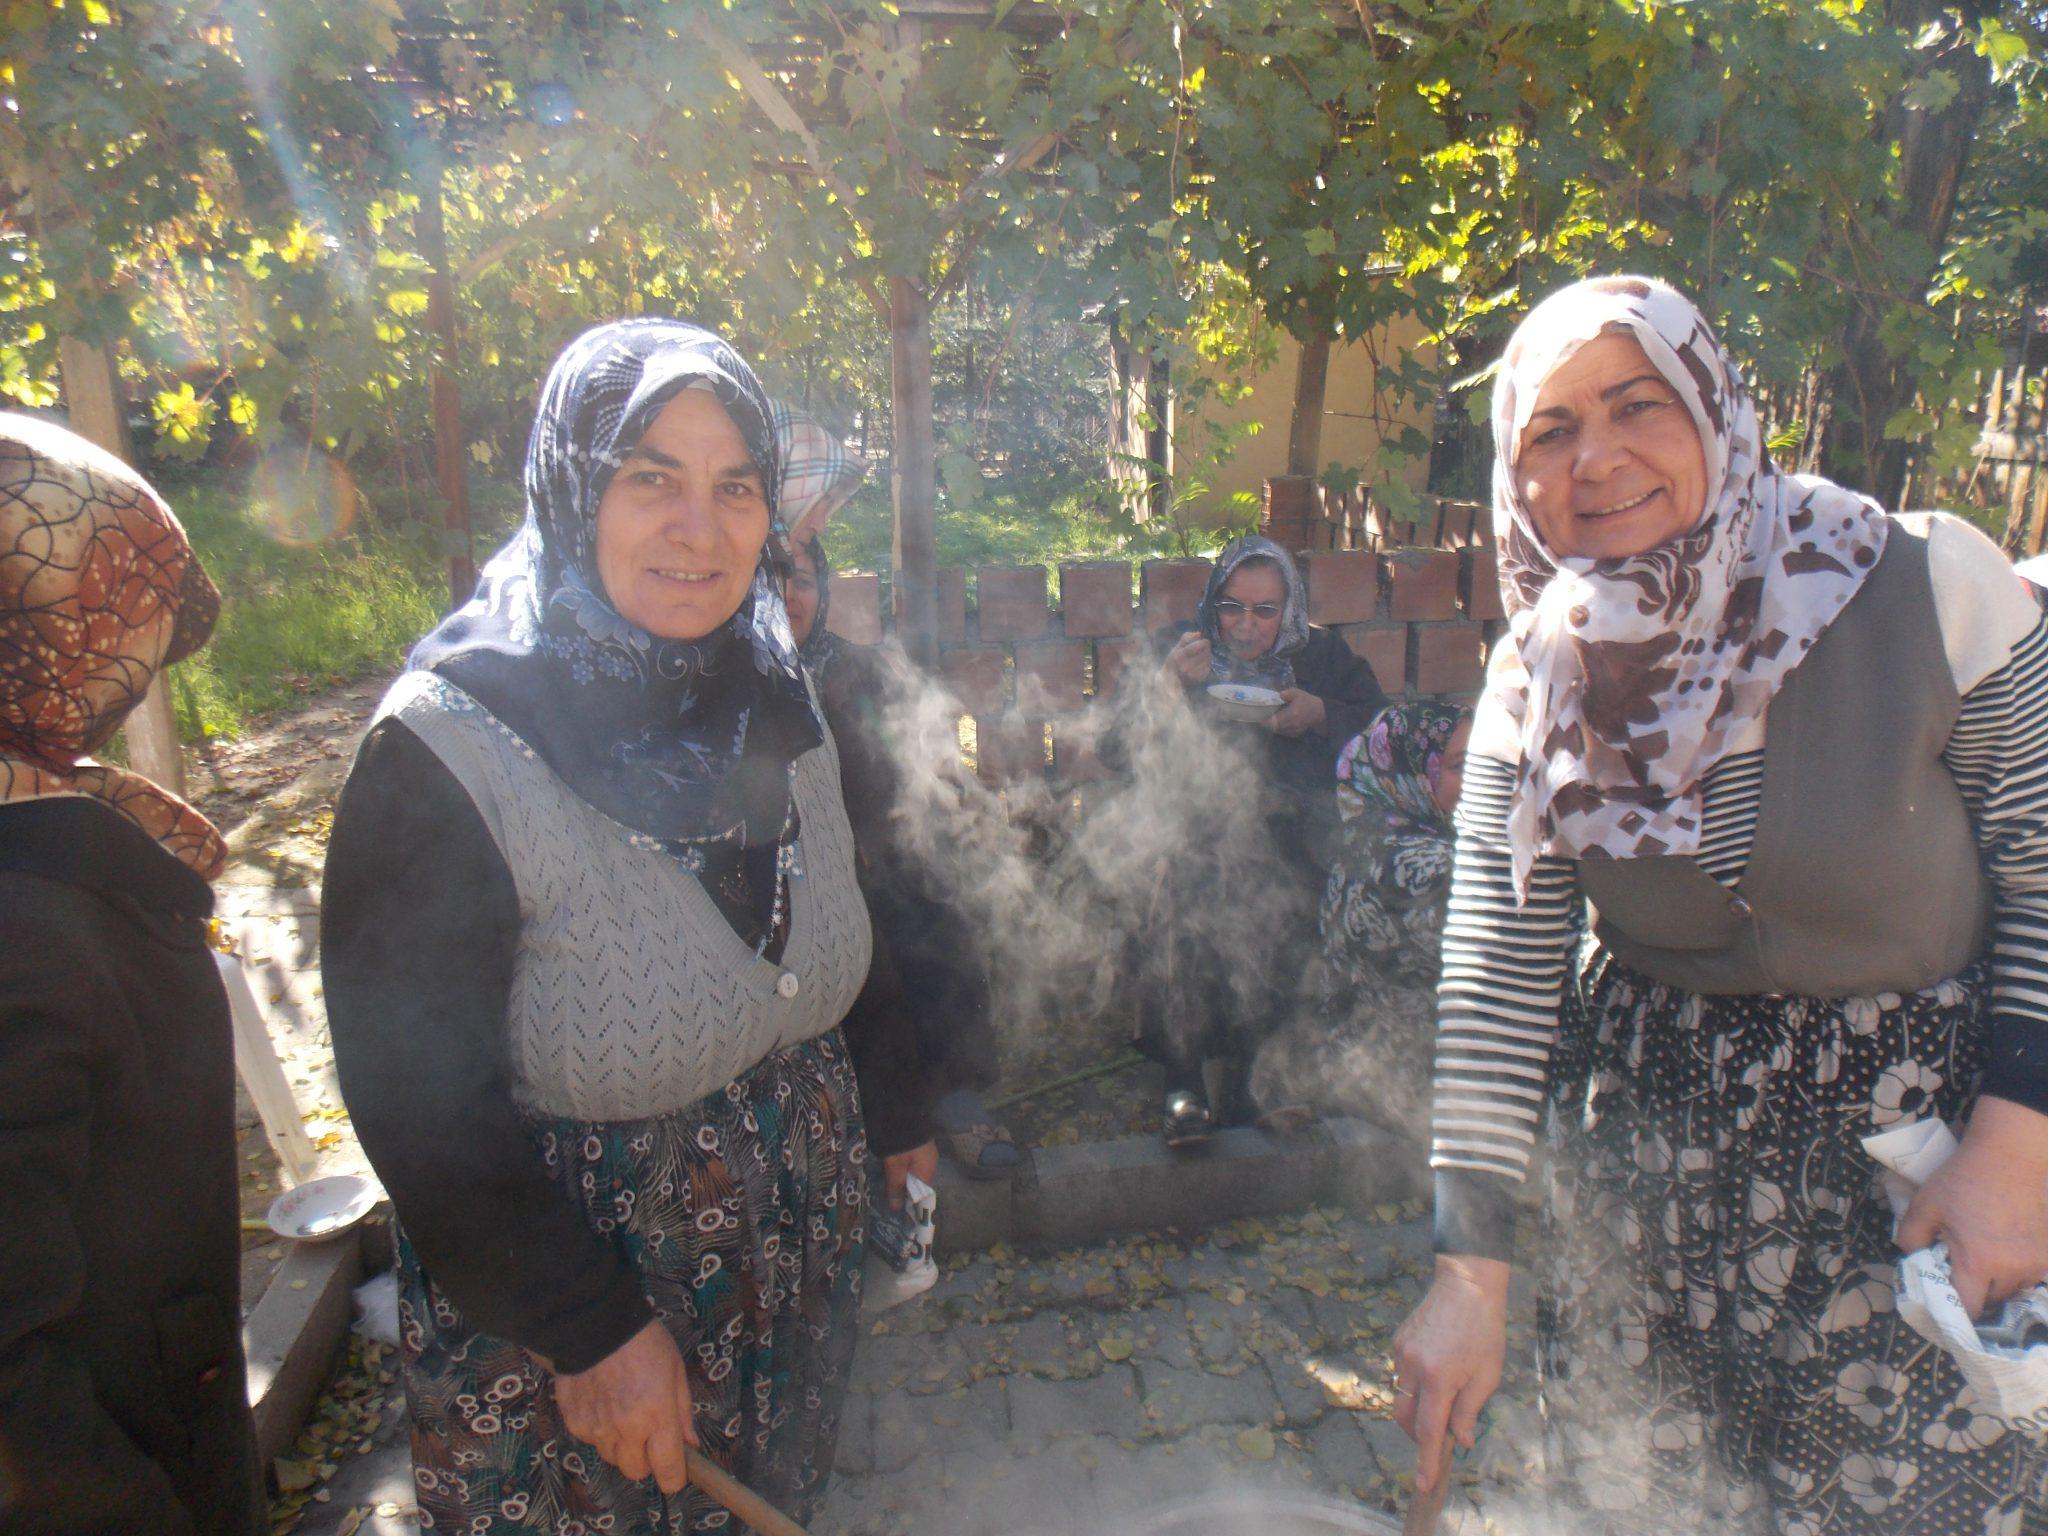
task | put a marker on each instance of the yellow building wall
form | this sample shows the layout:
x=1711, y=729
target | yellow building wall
x=1351, y=430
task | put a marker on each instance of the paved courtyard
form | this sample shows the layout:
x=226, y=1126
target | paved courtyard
x=1068, y=1393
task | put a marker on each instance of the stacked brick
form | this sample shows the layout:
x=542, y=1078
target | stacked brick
x=1033, y=672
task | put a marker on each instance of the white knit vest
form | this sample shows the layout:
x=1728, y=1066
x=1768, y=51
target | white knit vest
x=631, y=994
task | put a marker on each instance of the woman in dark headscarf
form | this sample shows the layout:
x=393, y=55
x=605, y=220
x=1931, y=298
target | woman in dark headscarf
x=590, y=927
x=122, y=1398
x=1230, y=937
x=1368, y=1046
x=1252, y=627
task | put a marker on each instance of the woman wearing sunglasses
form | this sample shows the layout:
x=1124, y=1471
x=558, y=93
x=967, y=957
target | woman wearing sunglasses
x=1233, y=908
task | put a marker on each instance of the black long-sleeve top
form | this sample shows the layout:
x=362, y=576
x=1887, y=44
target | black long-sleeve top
x=419, y=934
x=123, y=1403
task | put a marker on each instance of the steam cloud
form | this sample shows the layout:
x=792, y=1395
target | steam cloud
x=1068, y=891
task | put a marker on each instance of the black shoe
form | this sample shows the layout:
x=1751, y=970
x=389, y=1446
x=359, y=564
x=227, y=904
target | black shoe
x=1186, y=1120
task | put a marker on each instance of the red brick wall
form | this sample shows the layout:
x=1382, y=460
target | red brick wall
x=1030, y=671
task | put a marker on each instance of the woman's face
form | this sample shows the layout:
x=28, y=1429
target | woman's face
x=1249, y=608
x=1610, y=464
x=800, y=593
x=1450, y=773
x=680, y=527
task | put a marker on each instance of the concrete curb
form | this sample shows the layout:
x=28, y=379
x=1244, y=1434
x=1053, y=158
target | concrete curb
x=1065, y=1196
x=295, y=1332
x=1061, y=1197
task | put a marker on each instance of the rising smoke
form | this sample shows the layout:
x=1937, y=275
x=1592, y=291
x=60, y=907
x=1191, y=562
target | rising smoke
x=1167, y=881
x=1069, y=893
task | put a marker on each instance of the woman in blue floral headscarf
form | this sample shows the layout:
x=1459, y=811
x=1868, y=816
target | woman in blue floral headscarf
x=1369, y=1046
x=590, y=927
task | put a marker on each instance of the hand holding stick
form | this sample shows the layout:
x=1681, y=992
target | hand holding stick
x=736, y=1496
x=1426, y=1509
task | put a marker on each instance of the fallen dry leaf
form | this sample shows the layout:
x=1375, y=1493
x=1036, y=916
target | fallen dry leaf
x=1256, y=1443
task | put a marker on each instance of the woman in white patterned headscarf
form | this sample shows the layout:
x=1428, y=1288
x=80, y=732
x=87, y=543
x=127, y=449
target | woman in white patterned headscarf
x=1781, y=743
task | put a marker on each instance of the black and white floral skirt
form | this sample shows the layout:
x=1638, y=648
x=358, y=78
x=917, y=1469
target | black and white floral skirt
x=1717, y=1342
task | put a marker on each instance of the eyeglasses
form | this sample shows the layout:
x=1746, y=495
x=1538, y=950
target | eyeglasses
x=1231, y=608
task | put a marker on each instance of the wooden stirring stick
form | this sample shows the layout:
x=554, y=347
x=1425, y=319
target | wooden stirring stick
x=1426, y=1510
x=739, y=1498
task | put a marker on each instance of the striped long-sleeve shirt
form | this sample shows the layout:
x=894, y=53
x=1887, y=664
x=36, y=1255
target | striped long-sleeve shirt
x=1505, y=964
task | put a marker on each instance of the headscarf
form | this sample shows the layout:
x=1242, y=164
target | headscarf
x=1636, y=675
x=99, y=591
x=820, y=648
x=1384, y=908
x=1275, y=668
x=1387, y=775
x=683, y=740
x=819, y=473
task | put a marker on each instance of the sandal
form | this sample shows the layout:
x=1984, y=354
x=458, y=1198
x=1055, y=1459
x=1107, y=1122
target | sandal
x=971, y=1137
x=1186, y=1120
x=971, y=1145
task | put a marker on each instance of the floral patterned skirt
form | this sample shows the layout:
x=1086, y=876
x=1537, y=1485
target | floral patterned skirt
x=745, y=1216
x=1717, y=1341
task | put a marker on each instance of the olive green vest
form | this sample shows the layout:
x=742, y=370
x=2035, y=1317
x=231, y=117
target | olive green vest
x=1864, y=876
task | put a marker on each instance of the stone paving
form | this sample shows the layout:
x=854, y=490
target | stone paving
x=1069, y=1393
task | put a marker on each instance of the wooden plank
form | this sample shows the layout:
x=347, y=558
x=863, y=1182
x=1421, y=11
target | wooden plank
x=94, y=403
x=451, y=458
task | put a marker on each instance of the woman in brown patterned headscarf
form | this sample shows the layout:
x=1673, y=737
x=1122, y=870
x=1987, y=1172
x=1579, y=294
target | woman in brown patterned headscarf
x=99, y=591
x=122, y=1398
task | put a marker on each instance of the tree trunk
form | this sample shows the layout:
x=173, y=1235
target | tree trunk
x=913, y=469
x=1868, y=386
x=451, y=465
x=1305, y=430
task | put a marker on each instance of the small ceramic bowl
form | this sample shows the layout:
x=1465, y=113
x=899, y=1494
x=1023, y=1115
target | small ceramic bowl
x=1241, y=701
x=323, y=1208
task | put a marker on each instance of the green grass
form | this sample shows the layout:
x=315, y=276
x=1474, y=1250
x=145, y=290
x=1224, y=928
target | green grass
x=300, y=617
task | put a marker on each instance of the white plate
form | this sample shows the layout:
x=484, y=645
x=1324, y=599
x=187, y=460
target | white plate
x=323, y=1208
x=1243, y=701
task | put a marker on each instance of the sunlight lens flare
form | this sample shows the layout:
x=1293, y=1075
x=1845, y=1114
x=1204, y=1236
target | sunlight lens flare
x=308, y=497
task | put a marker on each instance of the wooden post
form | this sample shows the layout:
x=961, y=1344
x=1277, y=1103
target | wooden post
x=1305, y=429
x=913, y=459
x=91, y=383
x=451, y=464
x=913, y=470
x=93, y=400
x=1159, y=436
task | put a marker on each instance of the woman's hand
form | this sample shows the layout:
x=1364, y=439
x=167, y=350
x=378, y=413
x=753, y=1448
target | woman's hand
x=634, y=1407
x=1190, y=657
x=1448, y=1358
x=1301, y=713
x=896, y=1171
x=1989, y=1202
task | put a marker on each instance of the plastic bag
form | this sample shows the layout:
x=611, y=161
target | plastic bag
x=377, y=1308
x=900, y=1263
x=2004, y=1358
